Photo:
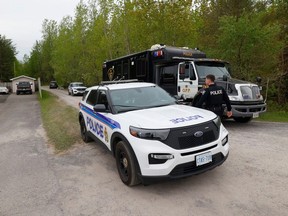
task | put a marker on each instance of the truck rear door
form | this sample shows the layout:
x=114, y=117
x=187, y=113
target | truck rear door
x=167, y=78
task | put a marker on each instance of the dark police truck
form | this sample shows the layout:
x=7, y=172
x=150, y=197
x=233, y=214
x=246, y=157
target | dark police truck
x=181, y=71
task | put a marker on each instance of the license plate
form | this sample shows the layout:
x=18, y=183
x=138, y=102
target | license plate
x=255, y=115
x=203, y=158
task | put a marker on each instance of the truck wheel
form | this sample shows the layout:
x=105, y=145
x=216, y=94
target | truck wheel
x=84, y=134
x=126, y=164
x=242, y=119
x=68, y=92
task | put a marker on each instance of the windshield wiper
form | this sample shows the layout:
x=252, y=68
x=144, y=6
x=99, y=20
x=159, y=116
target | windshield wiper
x=127, y=106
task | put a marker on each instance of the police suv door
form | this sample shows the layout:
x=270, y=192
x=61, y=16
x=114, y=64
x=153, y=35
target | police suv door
x=187, y=81
x=98, y=122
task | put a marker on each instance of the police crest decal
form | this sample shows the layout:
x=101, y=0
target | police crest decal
x=110, y=74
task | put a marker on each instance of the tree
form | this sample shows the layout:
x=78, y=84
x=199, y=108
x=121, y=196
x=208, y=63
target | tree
x=251, y=47
x=7, y=59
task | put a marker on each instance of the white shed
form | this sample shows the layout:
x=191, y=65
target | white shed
x=22, y=78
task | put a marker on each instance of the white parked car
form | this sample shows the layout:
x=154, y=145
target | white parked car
x=4, y=90
x=76, y=88
x=151, y=136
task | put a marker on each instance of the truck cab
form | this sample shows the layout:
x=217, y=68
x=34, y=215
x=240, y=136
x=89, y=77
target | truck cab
x=181, y=71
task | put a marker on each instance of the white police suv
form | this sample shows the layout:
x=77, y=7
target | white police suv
x=151, y=136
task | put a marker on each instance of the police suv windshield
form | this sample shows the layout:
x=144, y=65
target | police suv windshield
x=124, y=100
x=77, y=85
x=218, y=69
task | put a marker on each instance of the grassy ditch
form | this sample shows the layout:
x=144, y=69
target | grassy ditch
x=280, y=116
x=60, y=122
x=275, y=113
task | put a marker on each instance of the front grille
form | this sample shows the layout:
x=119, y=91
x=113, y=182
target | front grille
x=190, y=167
x=183, y=138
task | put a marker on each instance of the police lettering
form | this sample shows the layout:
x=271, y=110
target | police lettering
x=189, y=118
x=95, y=127
x=218, y=92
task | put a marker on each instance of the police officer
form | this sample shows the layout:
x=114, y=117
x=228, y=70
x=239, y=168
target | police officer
x=214, y=96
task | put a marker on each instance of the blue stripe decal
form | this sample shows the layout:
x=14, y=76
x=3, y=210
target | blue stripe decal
x=109, y=122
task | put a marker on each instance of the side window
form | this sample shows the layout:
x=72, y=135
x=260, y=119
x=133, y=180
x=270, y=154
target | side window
x=119, y=70
x=102, y=99
x=168, y=74
x=192, y=73
x=125, y=70
x=141, y=67
x=84, y=95
x=92, y=98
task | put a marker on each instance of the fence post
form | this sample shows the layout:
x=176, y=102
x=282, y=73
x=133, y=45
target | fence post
x=39, y=87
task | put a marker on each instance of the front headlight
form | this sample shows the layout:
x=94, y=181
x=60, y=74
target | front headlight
x=217, y=121
x=233, y=98
x=160, y=134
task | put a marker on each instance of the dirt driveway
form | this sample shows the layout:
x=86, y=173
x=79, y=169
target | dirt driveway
x=84, y=180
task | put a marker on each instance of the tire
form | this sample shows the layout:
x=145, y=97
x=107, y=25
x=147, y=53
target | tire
x=126, y=164
x=242, y=119
x=68, y=92
x=83, y=129
x=72, y=93
x=17, y=93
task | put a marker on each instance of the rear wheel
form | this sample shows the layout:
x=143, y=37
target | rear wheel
x=84, y=134
x=126, y=164
x=242, y=119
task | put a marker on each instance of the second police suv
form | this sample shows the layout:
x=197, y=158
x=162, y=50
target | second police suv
x=151, y=136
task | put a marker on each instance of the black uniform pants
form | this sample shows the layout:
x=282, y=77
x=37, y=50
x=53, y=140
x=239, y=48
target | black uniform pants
x=218, y=110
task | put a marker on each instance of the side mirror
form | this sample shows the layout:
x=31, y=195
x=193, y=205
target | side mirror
x=225, y=78
x=99, y=108
x=176, y=97
x=258, y=79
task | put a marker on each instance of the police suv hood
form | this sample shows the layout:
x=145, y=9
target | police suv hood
x=168, y=117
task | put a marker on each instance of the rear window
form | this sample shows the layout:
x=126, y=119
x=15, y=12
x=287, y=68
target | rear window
x=24, y=84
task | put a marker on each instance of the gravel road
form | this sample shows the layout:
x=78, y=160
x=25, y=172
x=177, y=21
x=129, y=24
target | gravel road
x=84, y=180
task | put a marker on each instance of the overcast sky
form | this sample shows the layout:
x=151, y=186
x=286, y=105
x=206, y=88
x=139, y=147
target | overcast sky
x=21, y=20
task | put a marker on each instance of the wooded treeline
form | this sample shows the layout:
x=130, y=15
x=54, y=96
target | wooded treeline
x=7, y=58
x=251, y=34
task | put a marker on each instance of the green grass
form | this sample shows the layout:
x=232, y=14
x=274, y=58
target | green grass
x=60, y=122
x=280, y=116
x=275, y=113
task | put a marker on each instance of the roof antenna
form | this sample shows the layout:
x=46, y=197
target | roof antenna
x=121, y=78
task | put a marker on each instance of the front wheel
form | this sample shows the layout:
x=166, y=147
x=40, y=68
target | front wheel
x=84, y=134
x=126, y=164
x=242, y=119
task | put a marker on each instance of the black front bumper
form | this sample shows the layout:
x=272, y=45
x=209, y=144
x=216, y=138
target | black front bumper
x=185, y=170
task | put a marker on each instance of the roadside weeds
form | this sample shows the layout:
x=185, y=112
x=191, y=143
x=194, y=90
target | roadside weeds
x=60, y=122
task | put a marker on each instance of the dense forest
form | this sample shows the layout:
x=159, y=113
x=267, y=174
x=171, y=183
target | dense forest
x=251, y=34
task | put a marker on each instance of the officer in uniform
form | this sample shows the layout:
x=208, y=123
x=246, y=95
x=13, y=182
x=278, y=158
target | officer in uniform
x=214, y=96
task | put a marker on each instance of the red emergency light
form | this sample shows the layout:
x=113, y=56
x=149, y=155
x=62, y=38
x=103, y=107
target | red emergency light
x=158, y=53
